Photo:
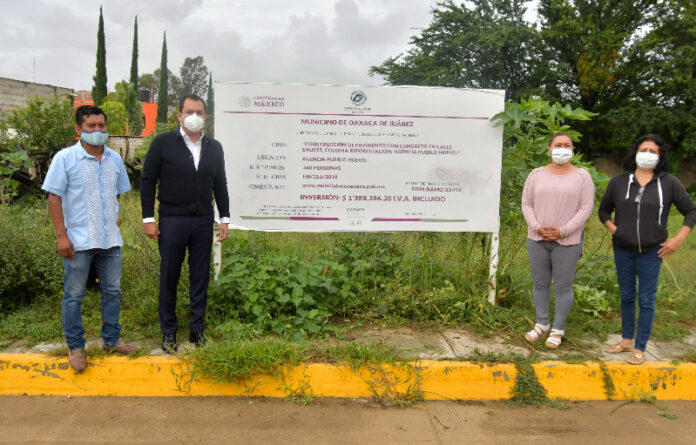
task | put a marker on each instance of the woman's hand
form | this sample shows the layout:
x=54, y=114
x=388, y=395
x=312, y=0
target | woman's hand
x=550, y=233
x=611, y=226
x=672, y=244
x=669, y=247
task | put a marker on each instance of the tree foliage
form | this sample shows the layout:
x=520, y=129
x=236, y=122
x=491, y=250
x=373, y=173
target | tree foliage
x=194, y=77
x=39, y=129
x=99, y=89
x=173, y=85
x=116, y=114
x=631, y=62
x=126, y=94
x=210, y=109
x=134, y=111
x=528, y=127
x=484, y=45
x=163, y=91
x=134, y=56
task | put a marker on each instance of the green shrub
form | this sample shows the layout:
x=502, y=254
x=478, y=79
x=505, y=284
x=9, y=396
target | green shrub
x=29, y=260
x=369, y=258
x=292, y=295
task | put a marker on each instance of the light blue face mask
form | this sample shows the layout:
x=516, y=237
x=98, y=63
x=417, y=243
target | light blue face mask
x=95, y=138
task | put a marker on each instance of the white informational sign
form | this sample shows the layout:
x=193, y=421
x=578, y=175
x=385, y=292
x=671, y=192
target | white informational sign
x=347, y=158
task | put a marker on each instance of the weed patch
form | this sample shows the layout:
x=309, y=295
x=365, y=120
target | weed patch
x=527, y=389
x=237, y=360
x=608, y=382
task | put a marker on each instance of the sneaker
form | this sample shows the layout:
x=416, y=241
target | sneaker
x=77, y=359
x=120, y=348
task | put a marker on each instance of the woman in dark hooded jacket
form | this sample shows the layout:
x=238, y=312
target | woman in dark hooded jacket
x=641, y=198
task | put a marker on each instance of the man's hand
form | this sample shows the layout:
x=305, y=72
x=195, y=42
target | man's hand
x=65, y=247
x=223, y=231
x=151, y=230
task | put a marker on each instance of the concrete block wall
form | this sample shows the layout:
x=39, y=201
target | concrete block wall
x=14, y=93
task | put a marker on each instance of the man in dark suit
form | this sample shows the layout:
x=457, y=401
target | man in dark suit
x=190, y=169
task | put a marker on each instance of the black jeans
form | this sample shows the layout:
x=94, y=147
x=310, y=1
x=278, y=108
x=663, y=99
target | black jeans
x=178, y=233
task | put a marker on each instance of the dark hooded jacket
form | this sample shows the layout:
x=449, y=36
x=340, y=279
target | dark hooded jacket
x=641, y=213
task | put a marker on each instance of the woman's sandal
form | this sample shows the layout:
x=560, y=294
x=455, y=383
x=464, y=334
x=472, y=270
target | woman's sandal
x=619, y=348
x=636, y=358
x=554, y=342
x=537, y=332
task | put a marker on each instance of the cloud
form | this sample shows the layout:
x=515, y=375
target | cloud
x=303, y=41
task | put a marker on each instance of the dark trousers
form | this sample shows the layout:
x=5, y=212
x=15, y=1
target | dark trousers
x=178, y=233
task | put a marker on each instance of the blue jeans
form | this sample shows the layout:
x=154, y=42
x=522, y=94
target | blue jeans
x=107, y=263
x=646, y=267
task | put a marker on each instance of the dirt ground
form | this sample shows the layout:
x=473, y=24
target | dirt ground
x=213, y=420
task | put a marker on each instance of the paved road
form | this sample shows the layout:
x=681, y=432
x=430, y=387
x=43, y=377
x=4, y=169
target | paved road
x=106, y=420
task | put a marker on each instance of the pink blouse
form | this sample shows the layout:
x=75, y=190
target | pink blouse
x=564, y=201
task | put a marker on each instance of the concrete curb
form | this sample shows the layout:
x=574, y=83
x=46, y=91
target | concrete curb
x=36, y=374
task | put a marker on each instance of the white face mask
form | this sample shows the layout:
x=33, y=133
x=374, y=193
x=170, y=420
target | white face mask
x=647, y=160
x=561, y=155
x=194, y=123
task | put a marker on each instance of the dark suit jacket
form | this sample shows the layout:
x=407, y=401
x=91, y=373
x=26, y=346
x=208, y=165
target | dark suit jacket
x=183, y=190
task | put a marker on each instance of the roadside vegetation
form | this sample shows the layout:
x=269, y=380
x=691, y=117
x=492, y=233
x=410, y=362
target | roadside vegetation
x=307, y=286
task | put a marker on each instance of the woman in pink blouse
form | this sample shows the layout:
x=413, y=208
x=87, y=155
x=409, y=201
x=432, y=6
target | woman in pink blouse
x=556, y=201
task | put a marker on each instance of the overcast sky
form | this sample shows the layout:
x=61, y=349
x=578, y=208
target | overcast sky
x=288, y=41
x=302, y=41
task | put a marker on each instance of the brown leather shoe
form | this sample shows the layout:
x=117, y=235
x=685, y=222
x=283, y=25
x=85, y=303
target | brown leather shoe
x=120, y=348
x=77, y=359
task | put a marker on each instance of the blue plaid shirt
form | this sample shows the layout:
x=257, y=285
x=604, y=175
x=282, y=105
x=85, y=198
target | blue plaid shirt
x=89, y=191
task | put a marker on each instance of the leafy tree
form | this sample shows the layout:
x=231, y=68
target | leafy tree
x=487, y=44
x=99, y=89
x=163, y=92
x=591, y=59
x=119, y=94
x=664, y=92
x=134, y=56
x=40, y=128
x=194, y=77
x=116, y=113
x=126, y=94
x=210, y=109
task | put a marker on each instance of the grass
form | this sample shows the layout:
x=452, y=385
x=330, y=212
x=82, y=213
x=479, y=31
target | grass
x=236, y=360
x=440, y=283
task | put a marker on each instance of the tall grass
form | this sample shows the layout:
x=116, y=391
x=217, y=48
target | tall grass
x=440, y=278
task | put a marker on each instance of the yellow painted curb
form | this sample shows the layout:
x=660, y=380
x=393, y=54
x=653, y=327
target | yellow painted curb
x=35, y=374
x=571, y=382
x=663, y=380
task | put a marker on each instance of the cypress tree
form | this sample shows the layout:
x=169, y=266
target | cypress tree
x=99, y=90
x=163, y=97
x=210, y=111
x=134, y=56
x=133, y=105
x=134, y=109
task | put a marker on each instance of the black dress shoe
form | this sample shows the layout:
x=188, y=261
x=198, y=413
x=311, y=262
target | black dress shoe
x=197, y=338
x=169, y=343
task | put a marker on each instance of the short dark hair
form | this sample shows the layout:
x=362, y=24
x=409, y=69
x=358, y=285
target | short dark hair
x=629, y=163
x=87, y=110
x=191, y=96
x=555, y=135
